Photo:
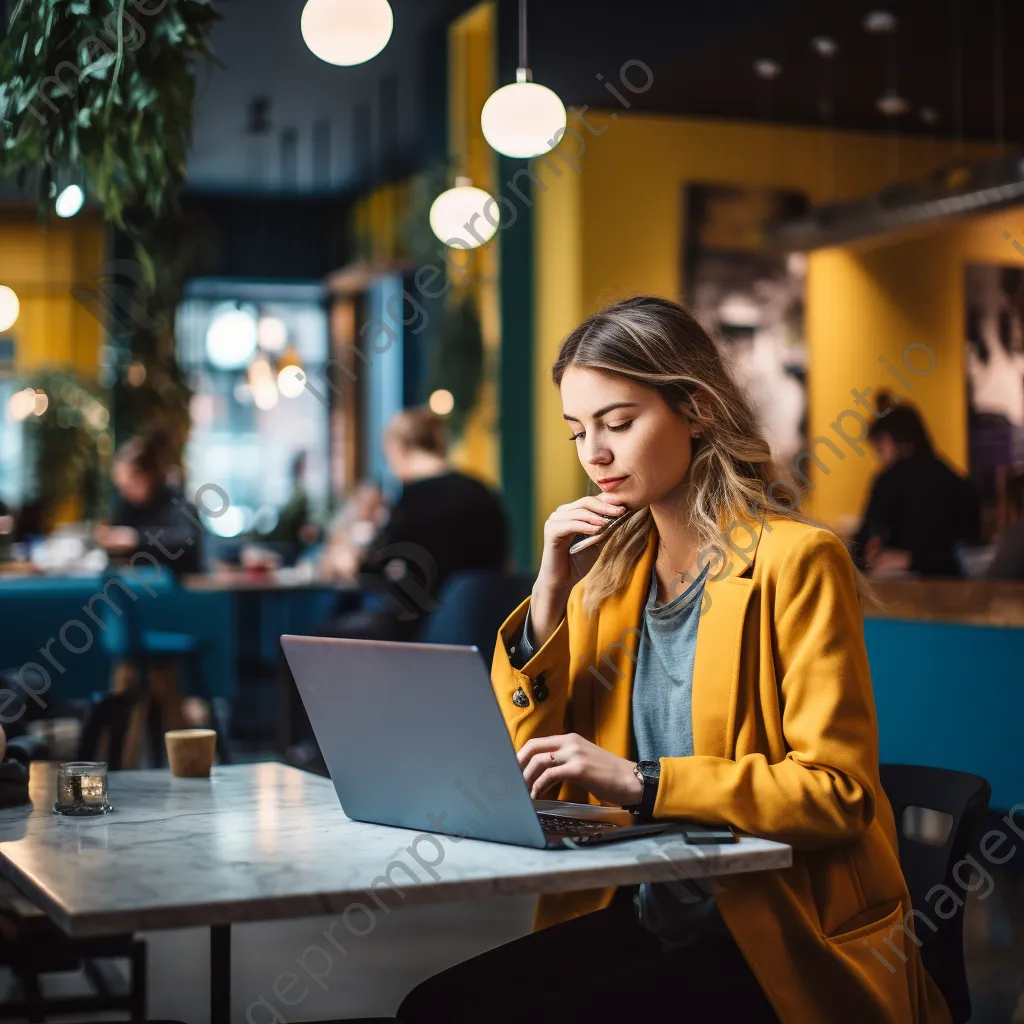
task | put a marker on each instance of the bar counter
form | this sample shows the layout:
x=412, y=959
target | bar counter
x=978, y=602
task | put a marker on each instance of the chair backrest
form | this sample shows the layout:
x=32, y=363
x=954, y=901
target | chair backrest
x=474, y=604
x=116, y=601
x=108, y=718
x=930, y=863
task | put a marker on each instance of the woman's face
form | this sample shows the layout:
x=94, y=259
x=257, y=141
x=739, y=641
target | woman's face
x=632, y=444
x=134, y=486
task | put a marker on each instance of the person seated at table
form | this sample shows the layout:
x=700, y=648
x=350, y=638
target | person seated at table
x=705, y=661
x=919, y=508
x=354, y=529
x=151, y=514
x=443, y=522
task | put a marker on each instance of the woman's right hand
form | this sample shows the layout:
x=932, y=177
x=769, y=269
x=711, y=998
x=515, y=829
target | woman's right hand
x=560, y=571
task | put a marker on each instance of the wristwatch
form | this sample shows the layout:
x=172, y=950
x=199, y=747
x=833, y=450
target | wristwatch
x=649, y=774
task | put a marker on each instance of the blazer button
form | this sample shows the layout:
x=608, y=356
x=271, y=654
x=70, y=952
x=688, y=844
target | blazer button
x=520, y=699
x=540, y=689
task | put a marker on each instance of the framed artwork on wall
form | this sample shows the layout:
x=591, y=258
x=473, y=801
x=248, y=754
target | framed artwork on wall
x=750, y=298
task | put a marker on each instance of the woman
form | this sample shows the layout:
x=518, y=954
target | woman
x=443, y=522
x=762, y=718
x=152, y=516
x=919, y=508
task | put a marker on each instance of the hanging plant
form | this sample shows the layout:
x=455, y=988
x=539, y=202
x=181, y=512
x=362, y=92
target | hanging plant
x=105, y=90
x=70, y=444
x=102, y=93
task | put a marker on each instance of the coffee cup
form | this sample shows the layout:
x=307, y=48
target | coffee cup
x=190, y=752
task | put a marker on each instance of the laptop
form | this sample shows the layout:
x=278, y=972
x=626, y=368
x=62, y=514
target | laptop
x=412, y=736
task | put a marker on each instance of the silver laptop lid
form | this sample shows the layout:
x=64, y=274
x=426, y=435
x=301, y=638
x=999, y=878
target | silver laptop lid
x=412, y=735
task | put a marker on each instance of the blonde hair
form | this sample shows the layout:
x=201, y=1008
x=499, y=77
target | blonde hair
x=732, y=477
x=420, y=430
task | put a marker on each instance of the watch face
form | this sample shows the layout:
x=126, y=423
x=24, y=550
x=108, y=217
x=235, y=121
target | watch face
x=651, y=769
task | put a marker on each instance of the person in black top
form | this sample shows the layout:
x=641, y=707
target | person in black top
x=454, y=520
x=919, y=508
x=151, y=515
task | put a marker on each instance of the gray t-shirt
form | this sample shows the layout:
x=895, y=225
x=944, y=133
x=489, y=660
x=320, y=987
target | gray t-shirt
x=677, y=912
x=662, y=711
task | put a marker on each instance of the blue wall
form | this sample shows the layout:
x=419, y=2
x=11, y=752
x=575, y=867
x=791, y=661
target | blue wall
x=951, y=696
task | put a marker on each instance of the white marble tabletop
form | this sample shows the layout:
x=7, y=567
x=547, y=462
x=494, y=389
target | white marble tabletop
x=263, y=841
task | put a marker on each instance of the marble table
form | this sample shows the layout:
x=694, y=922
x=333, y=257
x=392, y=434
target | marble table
x=264, y=841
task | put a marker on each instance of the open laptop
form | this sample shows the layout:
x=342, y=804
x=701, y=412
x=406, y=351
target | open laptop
x=412, y=736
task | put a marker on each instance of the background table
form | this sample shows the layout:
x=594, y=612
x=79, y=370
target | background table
x=265, y=841
x=236, y=620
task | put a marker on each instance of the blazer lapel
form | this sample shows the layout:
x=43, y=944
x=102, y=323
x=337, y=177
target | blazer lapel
x=716, y=668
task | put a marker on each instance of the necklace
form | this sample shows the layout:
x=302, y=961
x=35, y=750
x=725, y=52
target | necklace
x=679, y=572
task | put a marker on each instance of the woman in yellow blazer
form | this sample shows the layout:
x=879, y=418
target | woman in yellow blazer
x=784, y=737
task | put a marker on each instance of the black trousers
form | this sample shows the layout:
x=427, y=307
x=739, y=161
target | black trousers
x=600, y=967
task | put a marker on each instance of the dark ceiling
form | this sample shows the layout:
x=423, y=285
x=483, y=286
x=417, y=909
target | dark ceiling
x=275, y=119
x=954, y=57
x=334, y=129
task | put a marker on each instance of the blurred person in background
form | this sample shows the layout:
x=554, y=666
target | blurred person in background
x=443, y=522
x=919, y=508
x=353, y=530
x=151, y=514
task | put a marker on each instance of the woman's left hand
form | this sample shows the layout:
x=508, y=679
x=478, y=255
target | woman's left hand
x=548, y=761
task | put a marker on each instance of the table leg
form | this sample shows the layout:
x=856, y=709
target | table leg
x=220, y=973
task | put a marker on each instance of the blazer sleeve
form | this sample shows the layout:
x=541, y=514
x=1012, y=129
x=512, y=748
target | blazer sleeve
x=534, y=699
x=823, y=791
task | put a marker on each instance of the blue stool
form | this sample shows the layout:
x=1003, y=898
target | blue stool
x=126, y=639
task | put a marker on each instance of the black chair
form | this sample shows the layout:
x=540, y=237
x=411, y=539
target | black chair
x=34, y=946
x=105, y=727
x=474, y=604
x=926, y=864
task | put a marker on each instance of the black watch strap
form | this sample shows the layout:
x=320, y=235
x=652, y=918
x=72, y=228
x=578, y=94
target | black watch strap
x=651, y=772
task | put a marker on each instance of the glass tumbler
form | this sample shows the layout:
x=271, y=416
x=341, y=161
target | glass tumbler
x=82, y=788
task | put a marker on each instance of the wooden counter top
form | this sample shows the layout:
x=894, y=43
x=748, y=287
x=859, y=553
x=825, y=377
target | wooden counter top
x=974, y=602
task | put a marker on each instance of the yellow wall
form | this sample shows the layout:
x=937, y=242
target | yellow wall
x=874, y=300
x=43, y=263
x=626, y=196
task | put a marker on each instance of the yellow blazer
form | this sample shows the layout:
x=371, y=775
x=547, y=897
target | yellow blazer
x=785, y=747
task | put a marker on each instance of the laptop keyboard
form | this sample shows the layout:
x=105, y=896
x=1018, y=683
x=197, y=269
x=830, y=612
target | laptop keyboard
x=562, y=825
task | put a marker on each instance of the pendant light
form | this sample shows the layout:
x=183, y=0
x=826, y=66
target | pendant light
x=891, y=104
x=461, y=216
x=458, y=216
x=346, y=32
x=69, y=202
x=291, y=377
x=10, y=307
x=523, y=119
